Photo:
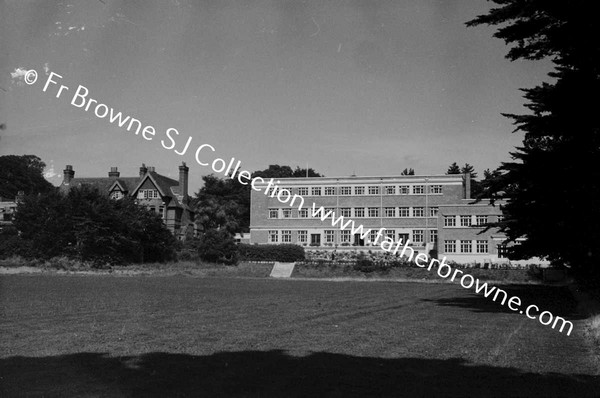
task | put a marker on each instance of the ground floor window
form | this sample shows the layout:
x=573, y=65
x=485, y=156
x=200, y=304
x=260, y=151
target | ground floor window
x=286, y=236
x=482, y=246
x=390, y=233
x=465, y=246
x=433, y=236
x=418, y=236
x=449, y=246
x=345, y=236
x=302, y=236
x=273, y=236
x=329, y=236
x=373, y=237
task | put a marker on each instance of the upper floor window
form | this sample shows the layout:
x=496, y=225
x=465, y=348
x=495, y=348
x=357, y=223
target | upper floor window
x=359, y=212
x=435, y=189
x=433, y=211
x=418, y=212
x=389, y=212
x=403, y=189
x=273, y=213
x=465, y=221
x=316, y=191
x=390, y=190
x=373, y=211
x=449, y=221
x=418, y=189
x=481, y=220
x=345, y=211
x=329, y=191
x=303, y=213
x=116, y=195
x=287, y=213
x=148, y=194
x=359, y=190
x=303, y=191
x=346, y=191
x=373, y=190
x=403, y=212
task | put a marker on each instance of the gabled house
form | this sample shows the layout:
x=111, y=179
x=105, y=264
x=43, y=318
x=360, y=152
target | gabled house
x=163, y=195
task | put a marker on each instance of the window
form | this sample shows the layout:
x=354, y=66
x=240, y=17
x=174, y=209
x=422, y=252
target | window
x=302, y=236
x=329, y=191
x=502, y=250
x=390, y=233
x=433, y=236
x=500, y=218
x=273, y=236
x=449, y=246
x=329, y=210
x=465, y=246
x=403, y=189
x=116, y=195
x=359, y=190
x=433, y=211
x=435, y=189
x=359, y=212
x=418, y=236
x=449, y=221
x=418, y=212
x=287, y=213
x=482, y=246
x=303, y=213
x=345, y=236
x=465, y=221
x=303, y=191
x=481, y=220
x=273, y=213
x=161, y=210
x=286, y=236
x=329, y=236
x=418, y=189
x=390, y=190
x=271, y=191
x=345, y=211
x=373, y=211
x=316, y=191
x=373, y=190
x=389, y=212
x=403, y=212
x=148, y=194
x=373, y=237
x=345, y=191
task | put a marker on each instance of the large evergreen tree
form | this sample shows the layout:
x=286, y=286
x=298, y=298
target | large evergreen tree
x=22, y=173
x=553, y=182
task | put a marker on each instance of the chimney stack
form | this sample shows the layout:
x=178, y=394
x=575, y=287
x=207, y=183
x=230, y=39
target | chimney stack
x=143, y=170
x=114, y=172
x=183, y=179
x=467, y=178
x=68, y=174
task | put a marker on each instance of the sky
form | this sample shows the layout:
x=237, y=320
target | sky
x=365, y=87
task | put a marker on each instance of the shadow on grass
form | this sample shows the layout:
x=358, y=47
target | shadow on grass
x=556, y=299
x=274, y=374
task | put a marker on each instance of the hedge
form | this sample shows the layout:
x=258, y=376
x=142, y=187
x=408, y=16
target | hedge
x=283, y=253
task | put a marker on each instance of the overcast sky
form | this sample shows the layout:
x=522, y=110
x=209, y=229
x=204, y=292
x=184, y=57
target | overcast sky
x=349, y=87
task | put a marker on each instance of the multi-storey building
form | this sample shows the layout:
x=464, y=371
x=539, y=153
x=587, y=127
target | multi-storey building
x=7, y=211
x=163, y=195
x=433, y=213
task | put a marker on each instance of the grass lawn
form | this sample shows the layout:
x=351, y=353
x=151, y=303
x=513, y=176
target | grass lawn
x=106, y=335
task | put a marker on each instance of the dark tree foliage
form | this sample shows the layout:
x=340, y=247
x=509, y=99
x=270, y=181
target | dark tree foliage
x=553, y=182
x=22, y=173
x=225, y=203
x=408, y=172
x=218, y=246
x=88, y=225
x=453, y=169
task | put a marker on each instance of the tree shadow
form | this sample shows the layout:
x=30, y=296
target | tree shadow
x=556, y=299
x=274, y=374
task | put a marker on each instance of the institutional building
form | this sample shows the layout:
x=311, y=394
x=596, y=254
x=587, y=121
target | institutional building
x=434, y=213
x=167, y=197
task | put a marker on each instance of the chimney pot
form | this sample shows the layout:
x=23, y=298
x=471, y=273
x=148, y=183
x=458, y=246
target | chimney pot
x=114, y=172
x=68, y=174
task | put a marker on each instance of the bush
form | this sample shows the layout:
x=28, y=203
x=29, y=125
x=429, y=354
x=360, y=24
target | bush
x=218, y=246
x=283, y=253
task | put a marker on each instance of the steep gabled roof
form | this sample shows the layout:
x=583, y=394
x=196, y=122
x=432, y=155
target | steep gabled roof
x=162, y=183
x=126, y=184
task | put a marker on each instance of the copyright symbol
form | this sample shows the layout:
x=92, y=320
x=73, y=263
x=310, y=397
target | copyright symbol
x=31, y=77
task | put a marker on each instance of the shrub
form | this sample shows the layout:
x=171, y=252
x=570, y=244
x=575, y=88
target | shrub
x=283, y=253
x=218, y=246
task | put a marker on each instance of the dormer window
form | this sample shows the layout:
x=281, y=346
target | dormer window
x=148, y=194
x=116, y=195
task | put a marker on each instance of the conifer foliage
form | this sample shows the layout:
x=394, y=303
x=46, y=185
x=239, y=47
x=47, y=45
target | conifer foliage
x=553, y=180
